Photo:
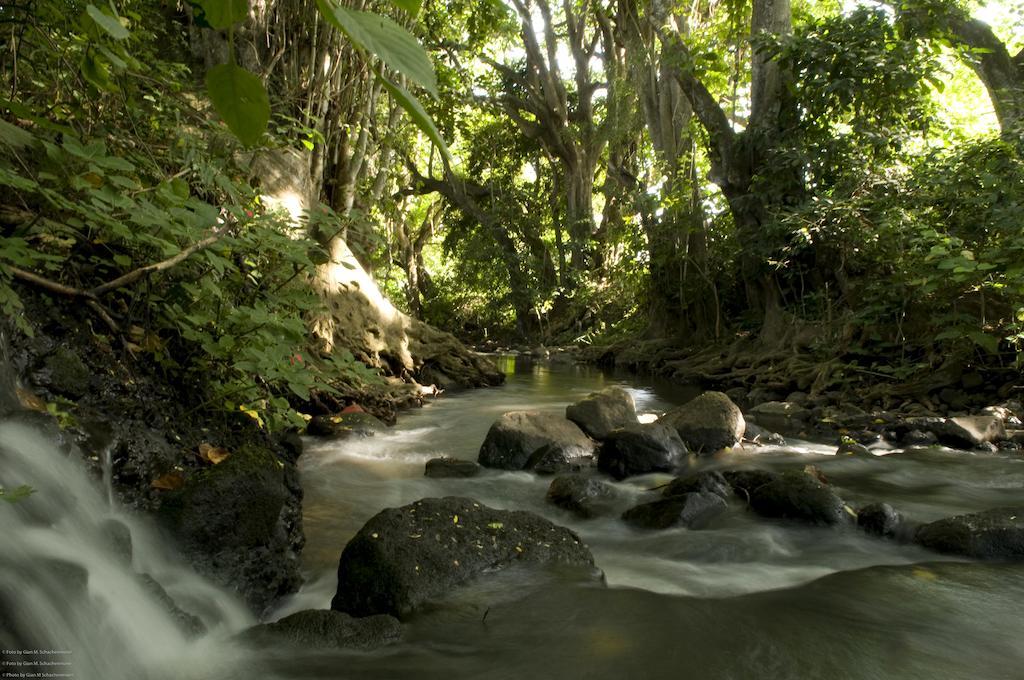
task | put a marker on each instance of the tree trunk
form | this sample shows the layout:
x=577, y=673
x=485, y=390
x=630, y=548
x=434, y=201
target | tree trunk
x=338, y=97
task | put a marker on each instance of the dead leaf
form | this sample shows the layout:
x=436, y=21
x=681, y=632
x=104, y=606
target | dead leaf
x=213, y=454
x=353, y=408
x=30, y=400
x=171, y=481
x=815, y=471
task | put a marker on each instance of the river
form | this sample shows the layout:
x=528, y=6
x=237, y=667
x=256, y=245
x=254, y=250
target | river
x=747, y=598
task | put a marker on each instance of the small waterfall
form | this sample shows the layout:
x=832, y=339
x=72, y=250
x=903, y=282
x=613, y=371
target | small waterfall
x=72, y=581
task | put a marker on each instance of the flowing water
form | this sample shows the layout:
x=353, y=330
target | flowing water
x=746, y=598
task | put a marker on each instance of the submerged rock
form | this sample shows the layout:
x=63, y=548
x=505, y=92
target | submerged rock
x=351, y=424
x=327, y=629
x=600, y=413
x=583, y=496
x=404, y=557
x=639, y=449
x=189, y=624
x=799, y=496
x=517, y=435
x=996, y=534
x=702, y=482
x=451, y=467
x=707, y=424
x=880, y=519
x=692, y=510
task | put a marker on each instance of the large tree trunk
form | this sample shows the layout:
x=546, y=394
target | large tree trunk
x=737, y=158
x=1001, y=73
x=325, y=84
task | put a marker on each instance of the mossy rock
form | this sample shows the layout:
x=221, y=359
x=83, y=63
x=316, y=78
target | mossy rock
x=345, y=425
x=66, y=374
x=234, y=504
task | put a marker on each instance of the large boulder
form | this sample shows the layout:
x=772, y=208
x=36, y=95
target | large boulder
x=405, y=557
x=327, y=629
x=799, y=496
x=233, y=504
x=692, y=510
x=600, y=413
x=517, y=435
x=638, y=449
x=583, y=496
x=991, y=535
x=707, y=424
x=229, y=521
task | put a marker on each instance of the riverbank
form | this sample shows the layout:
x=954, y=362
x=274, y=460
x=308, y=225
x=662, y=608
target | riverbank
x=223, y=488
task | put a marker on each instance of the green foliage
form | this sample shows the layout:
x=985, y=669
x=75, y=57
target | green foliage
x=17, y=494
x=103, y=187
x=240, y=99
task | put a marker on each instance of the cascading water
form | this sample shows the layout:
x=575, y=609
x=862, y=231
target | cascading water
x=70, y=587
x=747, y=599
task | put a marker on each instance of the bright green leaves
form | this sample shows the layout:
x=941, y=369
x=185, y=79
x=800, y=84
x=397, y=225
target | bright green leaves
x=399, y=50
x=382, y=37
x=110, y=24
x=416, y=112
x=17, y=494
x=223, y=14
x=238, y=95
x=410, y=6
x=240, y=99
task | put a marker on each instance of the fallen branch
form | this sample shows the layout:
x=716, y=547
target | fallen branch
x=136, y=274
x=92, y=295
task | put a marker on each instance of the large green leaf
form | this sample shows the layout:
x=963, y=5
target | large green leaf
x=15, y=137
x=410, y=6
x=224, y=13
x=240, y=99
x=112, y=25
x=417, y=113
x=382, y=37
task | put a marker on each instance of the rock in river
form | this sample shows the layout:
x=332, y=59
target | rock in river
x=707, y=424
x=583, y=496
x=451, y=467
x=405, y=557
x=991, y=535
x=711, y=481
x=692, y=510
x=799, y=496
x=517, y=435
x=351, y=424
x=639, y=449
x=601, y=412
x=327, y=629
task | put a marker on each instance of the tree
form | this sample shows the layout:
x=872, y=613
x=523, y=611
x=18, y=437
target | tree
x=1001, y=73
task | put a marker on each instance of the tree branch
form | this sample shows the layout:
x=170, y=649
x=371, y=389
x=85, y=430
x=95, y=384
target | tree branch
x=136, y=274
x=92, y=295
